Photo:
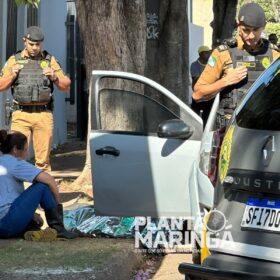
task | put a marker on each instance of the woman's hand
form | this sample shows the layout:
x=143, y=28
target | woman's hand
x=47, y=179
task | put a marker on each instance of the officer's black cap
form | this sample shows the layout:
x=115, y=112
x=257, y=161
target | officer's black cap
x=251, y=14
x=34, y=33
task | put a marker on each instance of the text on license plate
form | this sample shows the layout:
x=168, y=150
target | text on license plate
x=263, y=214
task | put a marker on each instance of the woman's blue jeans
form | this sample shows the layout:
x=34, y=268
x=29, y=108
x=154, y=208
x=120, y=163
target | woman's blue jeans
x=23, y=208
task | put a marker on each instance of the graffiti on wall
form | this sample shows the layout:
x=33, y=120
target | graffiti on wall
x=152, y=26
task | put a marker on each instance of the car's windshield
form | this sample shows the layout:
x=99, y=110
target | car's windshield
x=262, y=109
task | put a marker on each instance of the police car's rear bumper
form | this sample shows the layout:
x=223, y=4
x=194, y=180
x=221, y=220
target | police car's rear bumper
x=222, y=266
x=208, y=273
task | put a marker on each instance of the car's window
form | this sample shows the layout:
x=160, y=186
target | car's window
x=128, y=111
x=262, y=109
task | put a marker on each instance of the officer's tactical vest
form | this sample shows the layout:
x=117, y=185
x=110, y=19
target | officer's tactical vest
x=256, y=64
x=31, y=85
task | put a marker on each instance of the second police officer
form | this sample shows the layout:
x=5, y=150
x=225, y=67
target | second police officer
x=235, y=65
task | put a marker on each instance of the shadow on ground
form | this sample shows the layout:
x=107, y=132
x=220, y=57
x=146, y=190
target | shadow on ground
x=68, y=160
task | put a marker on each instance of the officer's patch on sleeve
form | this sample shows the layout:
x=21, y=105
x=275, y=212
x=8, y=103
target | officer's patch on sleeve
x=212, y=61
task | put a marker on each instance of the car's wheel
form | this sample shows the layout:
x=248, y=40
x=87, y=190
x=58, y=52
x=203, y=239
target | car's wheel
x=192, y=278
x=196, y=253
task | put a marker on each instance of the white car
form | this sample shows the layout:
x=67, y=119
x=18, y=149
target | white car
x=149, y=153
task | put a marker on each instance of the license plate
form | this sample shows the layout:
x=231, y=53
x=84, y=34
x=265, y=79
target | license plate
x=262, y=214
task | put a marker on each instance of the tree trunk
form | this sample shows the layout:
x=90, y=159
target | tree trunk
x=224, y=21
x=167, y=45
x=114, y=39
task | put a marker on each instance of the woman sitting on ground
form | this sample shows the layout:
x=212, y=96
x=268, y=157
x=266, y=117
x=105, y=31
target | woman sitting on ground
x=18, y=206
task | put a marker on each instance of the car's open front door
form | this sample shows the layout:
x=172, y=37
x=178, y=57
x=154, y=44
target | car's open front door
x=136, y=172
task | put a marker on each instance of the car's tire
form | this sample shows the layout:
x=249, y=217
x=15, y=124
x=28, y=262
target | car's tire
x=192, y=278
x=196, y=253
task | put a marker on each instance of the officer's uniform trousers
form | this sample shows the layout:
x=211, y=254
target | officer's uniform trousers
x=37, y=126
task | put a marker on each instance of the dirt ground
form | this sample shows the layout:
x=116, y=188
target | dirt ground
x=168, y=268
x=68, y=159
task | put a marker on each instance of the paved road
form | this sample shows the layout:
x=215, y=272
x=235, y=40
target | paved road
x=169, y=267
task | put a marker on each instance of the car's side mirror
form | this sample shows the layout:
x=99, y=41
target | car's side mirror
x=175, y=128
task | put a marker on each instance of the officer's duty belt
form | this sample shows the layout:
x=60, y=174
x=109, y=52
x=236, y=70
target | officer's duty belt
x=32, y=108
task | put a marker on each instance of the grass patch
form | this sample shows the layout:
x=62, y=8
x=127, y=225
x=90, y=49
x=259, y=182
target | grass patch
x=79, y=254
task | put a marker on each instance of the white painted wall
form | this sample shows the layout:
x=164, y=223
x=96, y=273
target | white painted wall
x=21, y=25
x=3, y=24
x=196, y=38
x=196, y=35
x=52, y=18
x=71, y=110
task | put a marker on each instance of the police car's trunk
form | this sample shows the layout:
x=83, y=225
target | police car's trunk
x=248, y=188
x=249, y=196
x=243, y=231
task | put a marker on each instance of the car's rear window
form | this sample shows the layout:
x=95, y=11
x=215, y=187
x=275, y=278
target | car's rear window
x=262, y=110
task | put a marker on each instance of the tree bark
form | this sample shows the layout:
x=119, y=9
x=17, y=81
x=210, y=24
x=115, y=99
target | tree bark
x=114, y=38
x=113, y=34
x=224, y=21
x=167, y=46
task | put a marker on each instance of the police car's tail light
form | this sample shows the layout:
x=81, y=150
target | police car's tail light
x=204, y=162
x=214, y=155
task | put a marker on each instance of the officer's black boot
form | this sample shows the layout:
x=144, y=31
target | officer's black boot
x=54, y=218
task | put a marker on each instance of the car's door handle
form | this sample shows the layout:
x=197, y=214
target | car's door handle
x=108, y=150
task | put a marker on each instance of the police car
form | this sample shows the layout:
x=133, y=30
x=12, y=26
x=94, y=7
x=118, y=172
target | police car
x=151, y=157
x=247, y=192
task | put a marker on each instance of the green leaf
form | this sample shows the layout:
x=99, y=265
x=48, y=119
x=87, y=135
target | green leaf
x=34, y=3
x=19, y=2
